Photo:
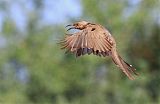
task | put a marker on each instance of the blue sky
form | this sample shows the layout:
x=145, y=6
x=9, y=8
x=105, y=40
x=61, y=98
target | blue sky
x=59, y=11
x=54, y=12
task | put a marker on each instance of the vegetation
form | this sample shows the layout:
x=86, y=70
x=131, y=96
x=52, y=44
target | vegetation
x=33, y=69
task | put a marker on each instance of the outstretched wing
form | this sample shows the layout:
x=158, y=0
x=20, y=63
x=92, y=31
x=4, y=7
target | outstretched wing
x=97, y=40
x=93, y=39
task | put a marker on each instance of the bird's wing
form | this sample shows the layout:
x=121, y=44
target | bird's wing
x=70, y=42
x=97, y=40
x=92, y=39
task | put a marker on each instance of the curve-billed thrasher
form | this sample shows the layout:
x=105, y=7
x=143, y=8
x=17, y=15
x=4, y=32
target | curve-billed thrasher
x=94, y=38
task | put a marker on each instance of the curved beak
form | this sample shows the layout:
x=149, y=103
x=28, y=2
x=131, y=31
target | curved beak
x=70, y=27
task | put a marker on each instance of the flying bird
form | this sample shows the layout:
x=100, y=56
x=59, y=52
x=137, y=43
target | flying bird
x=94, y=38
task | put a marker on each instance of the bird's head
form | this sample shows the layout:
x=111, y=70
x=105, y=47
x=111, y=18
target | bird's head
x=78, y=25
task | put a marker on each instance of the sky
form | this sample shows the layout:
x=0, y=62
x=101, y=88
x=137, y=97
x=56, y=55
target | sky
x=54, y=11
x=58, y=11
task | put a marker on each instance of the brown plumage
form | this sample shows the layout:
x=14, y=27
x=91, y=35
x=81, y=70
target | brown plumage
x=94, y=38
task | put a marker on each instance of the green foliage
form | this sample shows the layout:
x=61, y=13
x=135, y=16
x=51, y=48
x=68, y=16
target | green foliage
x=52, y=77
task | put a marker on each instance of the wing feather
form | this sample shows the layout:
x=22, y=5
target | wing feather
x=90, y=39
x=94, y=41
x=76, y=44
x=97, y=40
x=87, y=41
x=67, y=42
x=104, y=45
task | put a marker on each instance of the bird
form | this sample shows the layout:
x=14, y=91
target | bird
x=95, y=39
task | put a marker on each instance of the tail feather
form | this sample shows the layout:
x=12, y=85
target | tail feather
x=124, y=66
x=130, y=67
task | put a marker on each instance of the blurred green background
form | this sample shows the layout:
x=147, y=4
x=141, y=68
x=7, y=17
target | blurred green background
x=33, y=69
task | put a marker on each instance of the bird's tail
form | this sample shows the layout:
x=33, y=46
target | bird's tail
x=128, y=69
